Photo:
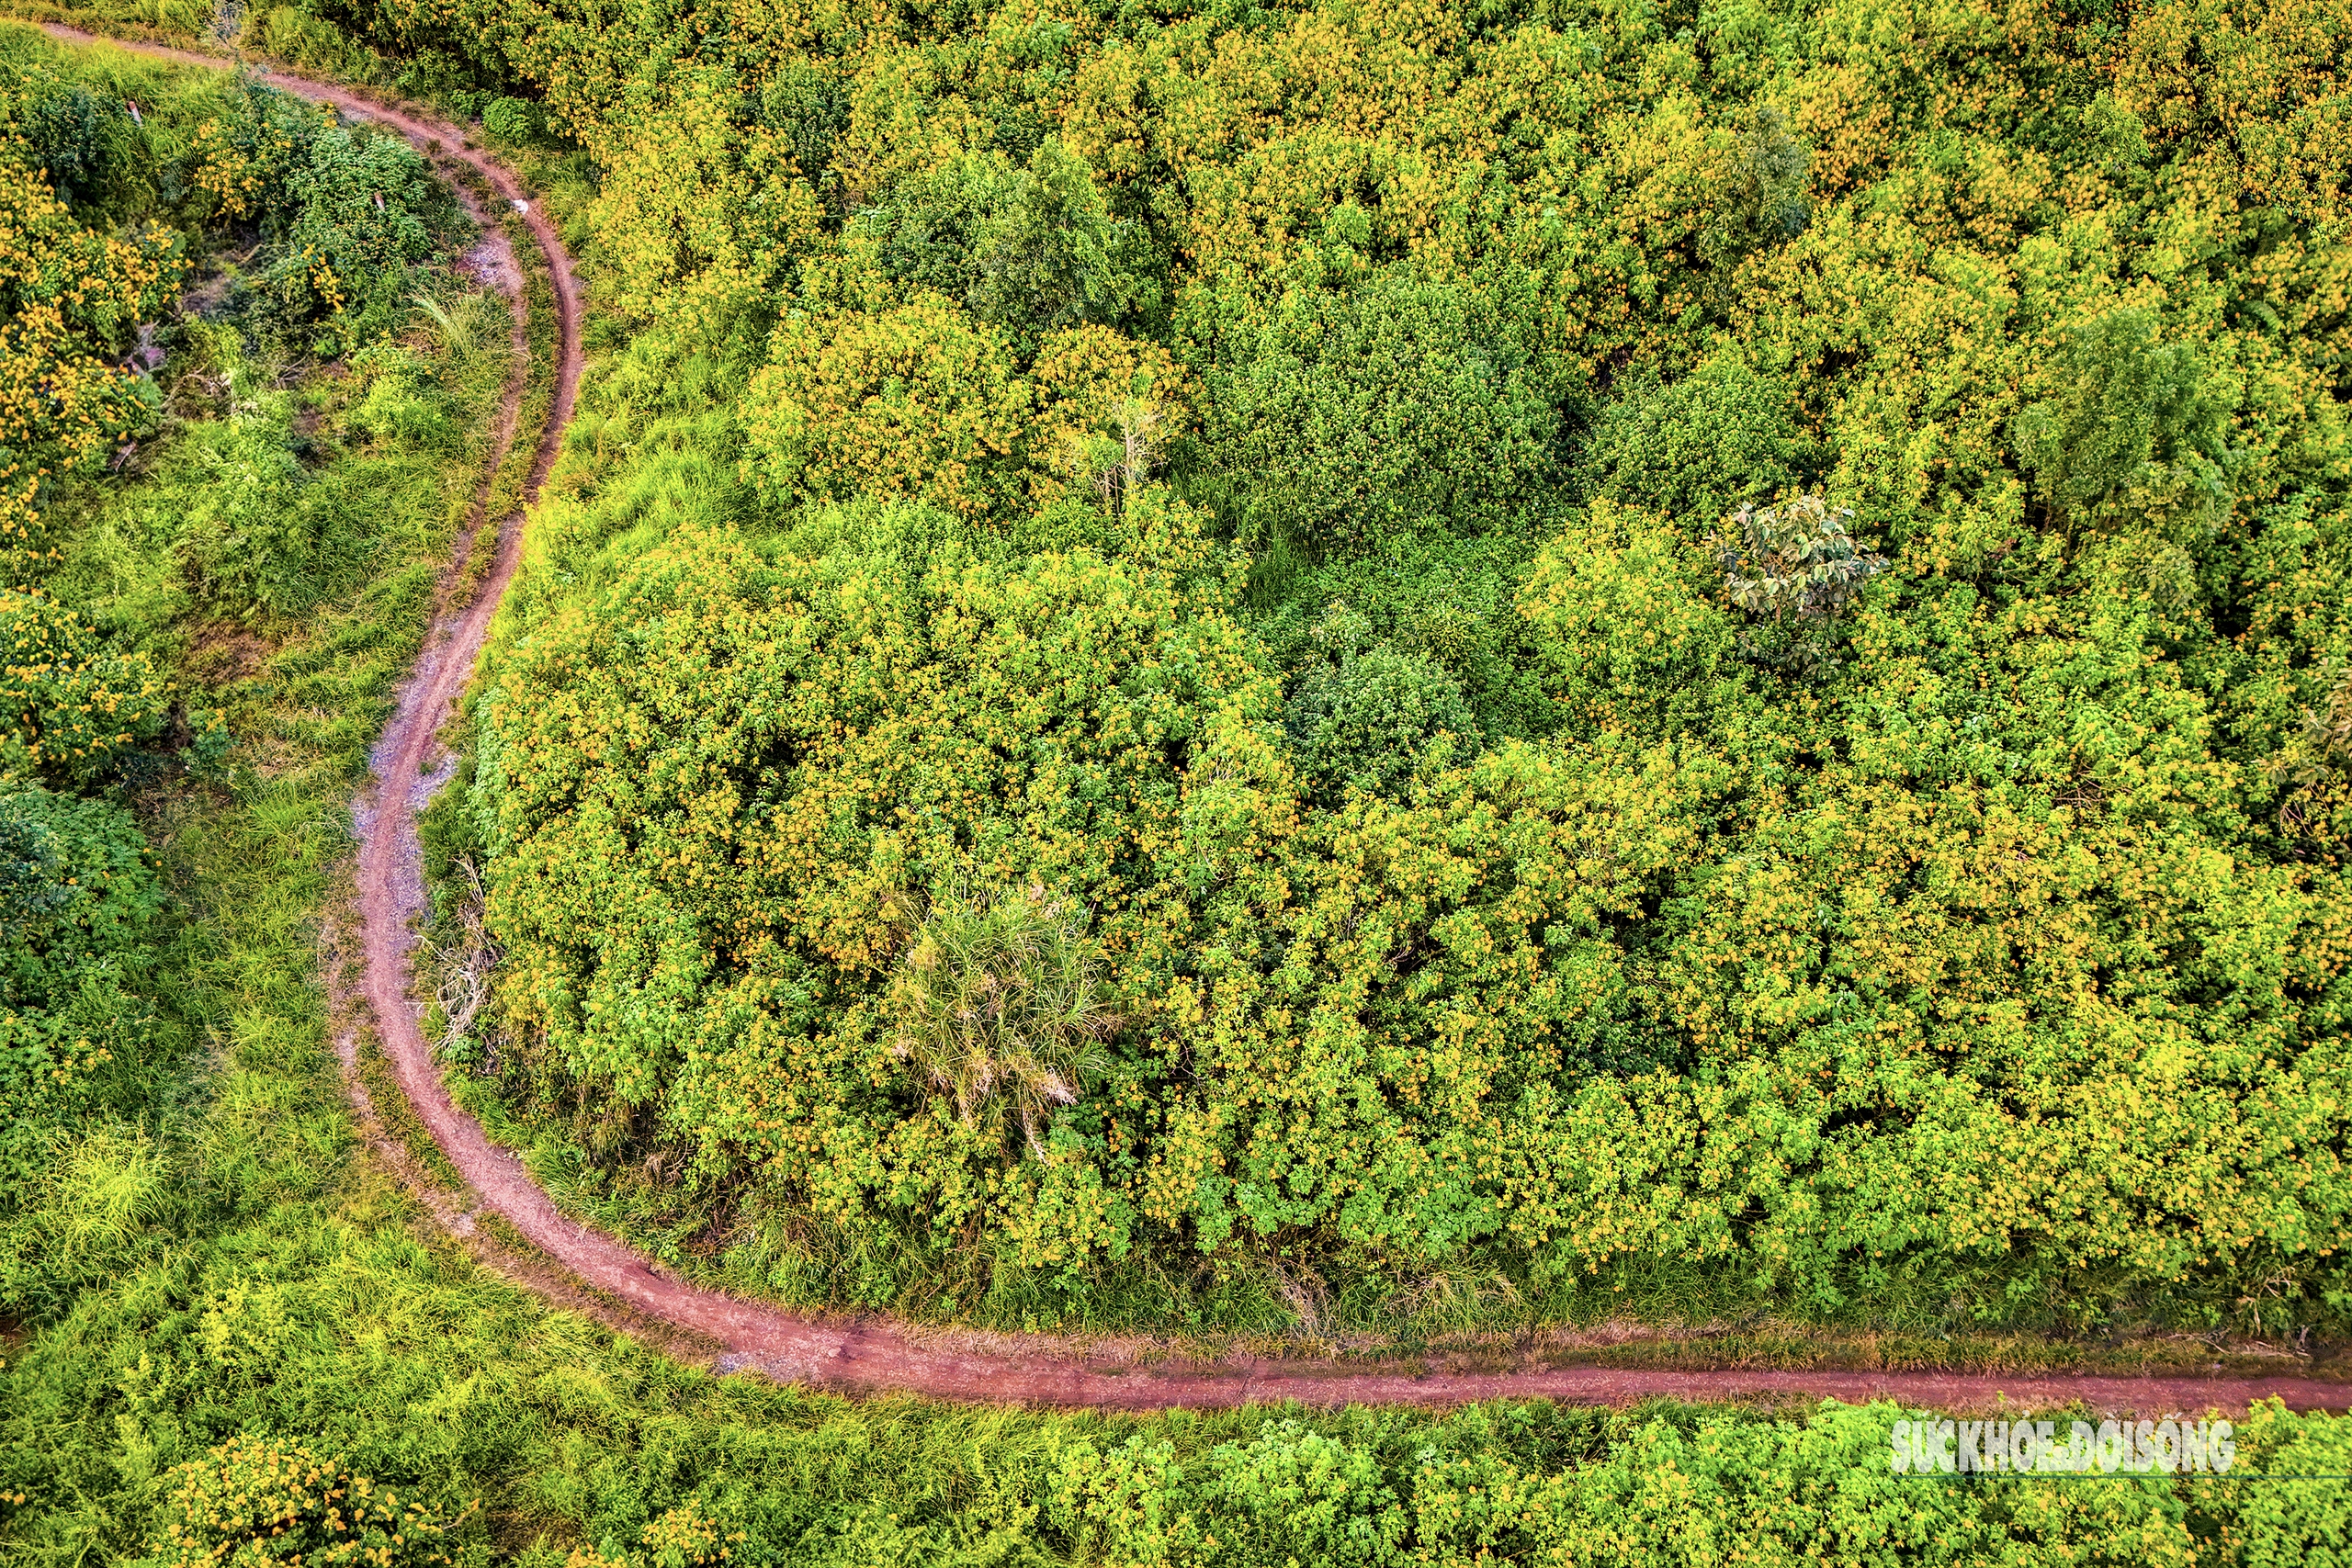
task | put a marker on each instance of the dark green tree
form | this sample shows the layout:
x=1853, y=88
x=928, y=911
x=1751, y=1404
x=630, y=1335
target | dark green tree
x=2129, y=432
x=1364, y=715
x=1698, y=447
x=1053, y=255
x=1030, y=249
x=1337, y=418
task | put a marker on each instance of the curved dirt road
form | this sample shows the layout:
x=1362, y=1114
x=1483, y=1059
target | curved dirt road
x=1043, y=1371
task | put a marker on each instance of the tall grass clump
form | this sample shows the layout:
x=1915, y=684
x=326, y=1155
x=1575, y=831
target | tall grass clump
x=999, y=1000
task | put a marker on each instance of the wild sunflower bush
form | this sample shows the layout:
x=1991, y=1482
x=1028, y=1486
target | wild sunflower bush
x=1715, y=680
x=253, y=1501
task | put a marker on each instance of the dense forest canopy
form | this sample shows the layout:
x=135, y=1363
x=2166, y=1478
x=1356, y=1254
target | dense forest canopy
x=1627, y=638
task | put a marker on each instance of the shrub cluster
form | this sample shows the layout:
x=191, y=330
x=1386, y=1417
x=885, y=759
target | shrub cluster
x=174, y=494
x=1641, y=657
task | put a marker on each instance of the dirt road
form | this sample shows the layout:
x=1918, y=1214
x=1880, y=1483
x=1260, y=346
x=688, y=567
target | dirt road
x=879, y=1356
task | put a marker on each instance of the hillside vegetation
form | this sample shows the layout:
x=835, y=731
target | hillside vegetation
x=1543, y=657
x=1289, y=669
x=223, y=472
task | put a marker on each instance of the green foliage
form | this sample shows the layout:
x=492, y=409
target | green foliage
x=77, y=895
x=1031, y=249
x=71, y=705
x=2305, y=1520
x=76, y=137
x=1052, y=255
x=1448, y=601
x=1338, y=418
x=1662, y=1490
x=86, y=1197
x=510, y=122
x=255, y=537
x=2315, y=769
x=1000, y=999
x=242, y=154
x=921, y=403
x=79, y=1024
x=1768, y=199
x=924, y=233
x=2131, y=428
x=1362, y=714
x=811, y=110
x=1697, y=448
x=1628, y=626
x=358, y=214
x=404, y=405
x=348, y=212
x=254, y=1501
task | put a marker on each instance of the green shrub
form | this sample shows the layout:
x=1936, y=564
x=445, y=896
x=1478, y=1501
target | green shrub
x=81, y=140
x=358, y=212
x=2130, y=439
x=1767, y=200
x=1430, y=593
x=402, y=407
x=1337, y=418
x=2128, y=421
x=246, y=542
x=2305, y=1517
x=809, y=106
x=1695, y=449
x=77, y=894
x=1296, y=1496
x=242, y=156
x=1361, y=716
x=1051, y=256
x=510, y=122
x=1628, y=625
x=1031, y=249
x=923, y=233
x=253, y=1500
x=349, y=211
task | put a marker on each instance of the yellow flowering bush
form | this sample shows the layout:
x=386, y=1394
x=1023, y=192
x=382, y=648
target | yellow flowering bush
x=254, y=1500
x=920, y=403
x=69, y=704
x=69, y=297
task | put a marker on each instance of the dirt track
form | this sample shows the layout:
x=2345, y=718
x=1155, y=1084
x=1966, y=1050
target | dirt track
x=876, y=1357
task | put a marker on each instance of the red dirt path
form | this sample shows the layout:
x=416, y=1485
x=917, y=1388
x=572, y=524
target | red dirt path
x=876, y=1357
